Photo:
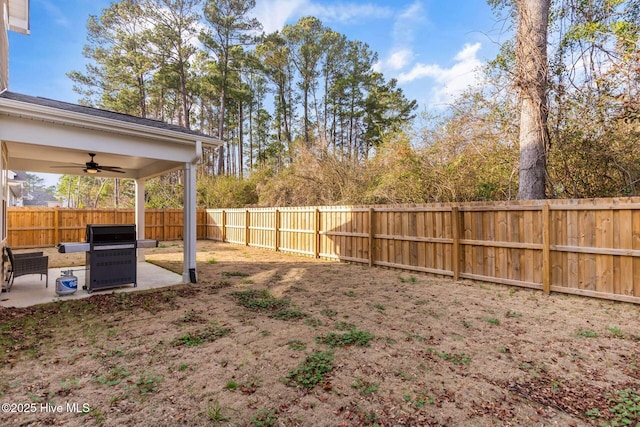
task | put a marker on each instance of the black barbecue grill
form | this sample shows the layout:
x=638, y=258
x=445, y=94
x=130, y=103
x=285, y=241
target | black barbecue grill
x=111, y=259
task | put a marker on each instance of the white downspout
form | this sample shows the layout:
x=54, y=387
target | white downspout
x=139, y=214
x=189, y=274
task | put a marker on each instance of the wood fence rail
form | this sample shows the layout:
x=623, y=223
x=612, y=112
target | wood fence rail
x=584, y=247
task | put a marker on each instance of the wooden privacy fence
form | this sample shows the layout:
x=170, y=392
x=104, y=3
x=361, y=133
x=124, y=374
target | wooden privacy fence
x=40, y=227
x=583, y=247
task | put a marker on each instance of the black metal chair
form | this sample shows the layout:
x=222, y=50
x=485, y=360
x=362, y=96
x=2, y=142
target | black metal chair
x=26, y=263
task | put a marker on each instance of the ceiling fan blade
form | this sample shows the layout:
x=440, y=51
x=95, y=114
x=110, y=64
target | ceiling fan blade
x=117, y=169
x=69, y=165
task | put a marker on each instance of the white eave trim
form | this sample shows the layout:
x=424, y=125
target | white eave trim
x=19, y=25
x=19, y=20
x=14, y=108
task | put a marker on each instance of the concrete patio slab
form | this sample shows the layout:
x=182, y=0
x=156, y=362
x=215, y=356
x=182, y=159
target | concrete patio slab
x=30, y=290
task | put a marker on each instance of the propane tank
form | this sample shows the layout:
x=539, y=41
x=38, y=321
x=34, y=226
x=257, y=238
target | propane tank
x=66, y=284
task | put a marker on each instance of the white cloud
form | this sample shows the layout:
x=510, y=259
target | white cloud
x=54, y=11
x=449, y=82
x=274, y=14
x=406, y=21
x=403, y=36
x=346, y=12
x=396, y=61
x=468, y=53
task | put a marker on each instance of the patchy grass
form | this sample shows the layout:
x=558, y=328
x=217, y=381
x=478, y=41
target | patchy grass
x=232, y=385
x=455, y=358
x=234, y=274
x=586, y=333
x=289, y=314
x=209, y=334
x=263, y=301
x=311, y=370
x=328, y=312
x=250, y=384
x=264, y=418
x=616, y=332
x=216, y=413
x=148, y=383
x=297, y=345
x=344, y=326
x=257, y=300
x=353, y=337
x=365, y=387
x=113, y=376
x=379, y=307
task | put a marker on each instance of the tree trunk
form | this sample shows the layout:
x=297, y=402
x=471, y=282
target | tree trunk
x=142, y=96
x=116, y=193
x=306, y=114
x=103, y=182
x=285, y=121
x=250, y=136
x=240, y=141
x=531, y=80
x=532, y=151
x=185, y=98
x=221, y=133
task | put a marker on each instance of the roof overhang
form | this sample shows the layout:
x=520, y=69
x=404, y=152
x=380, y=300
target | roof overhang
x=19, y=16
x=41, y=138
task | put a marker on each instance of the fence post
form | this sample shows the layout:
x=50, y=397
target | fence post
x=206, y=224
x=455, y=251
x=223, y=232
x=277, y=231
x=56, y=226
x=546, y=250
x=316, y=234
x=165, y=224
x=371, y=235
x=206, y=221
x=247, y=232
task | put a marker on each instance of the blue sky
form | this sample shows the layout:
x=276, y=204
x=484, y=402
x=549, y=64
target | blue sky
x=432, y=47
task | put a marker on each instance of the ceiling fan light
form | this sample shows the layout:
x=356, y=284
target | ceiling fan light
x=91, y=170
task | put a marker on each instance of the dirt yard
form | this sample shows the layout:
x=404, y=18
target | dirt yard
x=270, y=339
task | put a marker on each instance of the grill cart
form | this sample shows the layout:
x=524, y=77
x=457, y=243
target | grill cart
x=111, y=258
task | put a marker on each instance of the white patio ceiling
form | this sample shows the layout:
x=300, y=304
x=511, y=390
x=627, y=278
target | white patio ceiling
x=48, y=159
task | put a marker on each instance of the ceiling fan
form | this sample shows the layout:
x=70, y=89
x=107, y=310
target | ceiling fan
x=93, y=167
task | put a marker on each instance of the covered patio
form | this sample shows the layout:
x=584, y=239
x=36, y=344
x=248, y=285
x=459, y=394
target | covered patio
x=30, y=290
x=49, y=136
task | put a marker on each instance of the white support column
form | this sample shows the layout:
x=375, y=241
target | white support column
x=190, y=231
x=140, y=224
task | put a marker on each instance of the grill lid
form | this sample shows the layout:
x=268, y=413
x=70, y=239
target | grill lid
x=107, y=233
